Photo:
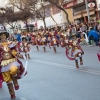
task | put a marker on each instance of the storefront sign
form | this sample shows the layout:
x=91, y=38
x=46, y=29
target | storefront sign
x=70, y=4
x=91, y=5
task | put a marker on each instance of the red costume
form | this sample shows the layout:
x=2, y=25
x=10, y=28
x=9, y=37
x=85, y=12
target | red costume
x=11, y=68
x=25, y=47
x=76, y=51
x=38, y=42
x=98, y=54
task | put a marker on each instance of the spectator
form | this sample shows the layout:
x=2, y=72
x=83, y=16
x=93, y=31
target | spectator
x=17, y=37
x=73, y=30
x=99, y=29
x=96, y=26
x=78, y=35
x=93, y=35
x=83, y=28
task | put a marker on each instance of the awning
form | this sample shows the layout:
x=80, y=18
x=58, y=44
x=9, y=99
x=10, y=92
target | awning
x=84, y=14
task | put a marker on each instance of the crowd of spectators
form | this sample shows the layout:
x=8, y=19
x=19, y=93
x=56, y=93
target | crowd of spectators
x=89, y=31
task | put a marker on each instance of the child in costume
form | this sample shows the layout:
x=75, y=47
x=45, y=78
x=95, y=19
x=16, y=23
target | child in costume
x=54, y=42
x=25, y=47
x=14, y=49
x=44, y=43
x=98, y=53
x=76, y=51
x=11, y=69
x=49, y=41
x=38, y=42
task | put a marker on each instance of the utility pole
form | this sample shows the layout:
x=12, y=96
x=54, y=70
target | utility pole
x=87, y=9
x=97, y=9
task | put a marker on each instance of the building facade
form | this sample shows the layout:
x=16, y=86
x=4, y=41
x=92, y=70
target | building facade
x=79, y=13
x=98, y=6
x=56, y=14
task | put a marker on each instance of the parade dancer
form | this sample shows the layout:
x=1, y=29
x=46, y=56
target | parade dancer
x=11, y=68
x=33, y=39
x=25, y=47
x=14, y=49
x=1, y=79
x=98, y=53
x=62, y=42
x=43, y=40
x=54, y=40
x=37, y=41
x=76, y=51
x=49, y=41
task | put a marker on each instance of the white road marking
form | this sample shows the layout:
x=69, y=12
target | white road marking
x=67, y=67
x=22, y=98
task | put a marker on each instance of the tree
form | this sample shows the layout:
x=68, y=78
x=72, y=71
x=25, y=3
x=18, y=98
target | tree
x=43, y=13
x=8, y=16
x=59, y=4
x=32, y=7
x=38, y=9
x=48, y=12
x=24, y=15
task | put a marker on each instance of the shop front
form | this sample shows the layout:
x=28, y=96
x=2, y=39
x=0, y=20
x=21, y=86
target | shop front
x=80, y=13
x=79, y=10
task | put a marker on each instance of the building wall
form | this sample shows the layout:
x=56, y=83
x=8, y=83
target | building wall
x=3, y=3
x=70, y=13
x=58, y=15
x=79, y=9
x=98, y=4
x=60, y=18
x=49, y=22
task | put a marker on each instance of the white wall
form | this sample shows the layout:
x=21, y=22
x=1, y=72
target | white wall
x=63, y=17
x=59, y=18
x=3, y=3
x=98, y=4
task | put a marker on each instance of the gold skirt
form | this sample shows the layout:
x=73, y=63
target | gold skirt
x=7, y=76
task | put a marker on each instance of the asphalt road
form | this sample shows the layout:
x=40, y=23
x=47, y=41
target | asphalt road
x=53, y=77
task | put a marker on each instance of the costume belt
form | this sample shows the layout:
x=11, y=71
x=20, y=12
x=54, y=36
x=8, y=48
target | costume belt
x=6, y=62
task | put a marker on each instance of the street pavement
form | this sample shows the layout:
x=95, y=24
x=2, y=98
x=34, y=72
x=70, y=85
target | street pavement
x=53, y=77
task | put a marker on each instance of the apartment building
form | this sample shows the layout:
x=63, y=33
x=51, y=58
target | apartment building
x=78, y=12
